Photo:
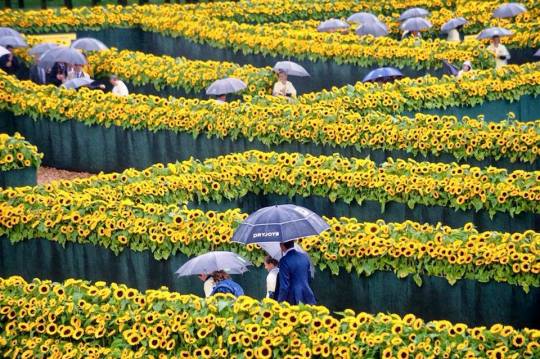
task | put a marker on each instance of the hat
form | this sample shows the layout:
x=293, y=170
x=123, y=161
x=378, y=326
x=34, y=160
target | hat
x=468, y=63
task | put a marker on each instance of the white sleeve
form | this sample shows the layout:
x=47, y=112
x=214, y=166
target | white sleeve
x=291, y=89
x=275, y=90
x=271, y=280
x=504, y=52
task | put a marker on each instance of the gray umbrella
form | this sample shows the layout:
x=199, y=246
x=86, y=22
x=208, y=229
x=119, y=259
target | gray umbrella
x=61, y=54
x=332, y=25
x=88, y=44
x=416, y=24
x=78, y=82
x=7, y=31
x=42, y=48
x=13, y=41
x=509, y=10
x=413, y=12
x=375, y=28
x=453, y=23
x=225, y=86
x=210, y=262
x=4, y=51
x=537, y=53
x=290, y=68
x=493, y=31
x=362, y=18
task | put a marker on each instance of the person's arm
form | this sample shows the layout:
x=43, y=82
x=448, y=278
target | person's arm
x=275, y=91
x=284, y=282
x=291, y=90
x=504, y=54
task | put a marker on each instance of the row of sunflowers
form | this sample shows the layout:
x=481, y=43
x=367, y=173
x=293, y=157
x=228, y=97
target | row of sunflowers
x=17, y=153
x=91, y=320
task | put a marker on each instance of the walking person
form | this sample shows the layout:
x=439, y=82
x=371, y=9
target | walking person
x=208, y=285
x=499, y=51
x=294, y=276
x=271, y=266
x=224, y=284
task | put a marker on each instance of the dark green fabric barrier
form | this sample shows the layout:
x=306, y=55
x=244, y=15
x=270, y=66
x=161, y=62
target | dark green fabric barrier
x=467, y=301
x=18, y=178
x=72, y=145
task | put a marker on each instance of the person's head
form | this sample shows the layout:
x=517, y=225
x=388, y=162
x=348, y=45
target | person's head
x=467, y=66
x=10, y=48
x=415, y=33
x=270, y=263
x=203, y=277
x=220, y=275
x=78, y=68
x=459, y=28
x=286, y=245
x=114, y=80
x=222, y=98
x=282, y=76
x=496, y=40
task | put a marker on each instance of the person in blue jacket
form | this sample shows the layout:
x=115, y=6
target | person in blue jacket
x=224, y=284
x=294, y=276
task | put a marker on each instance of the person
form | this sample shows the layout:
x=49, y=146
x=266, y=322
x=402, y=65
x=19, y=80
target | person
x=271, y=265
x=37, y=73
x=221, y=99
x=209, y=284
x=119, y=87
x=224, y=284
x=9, y=62
x=499, y=51
x=57, y=75
x=77, y=72
x=294, y=276
x=453, y=35
x=466, y=67
x=283, y=87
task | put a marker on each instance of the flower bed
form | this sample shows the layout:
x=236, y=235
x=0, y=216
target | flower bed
x=17, y=153
x=93, y=320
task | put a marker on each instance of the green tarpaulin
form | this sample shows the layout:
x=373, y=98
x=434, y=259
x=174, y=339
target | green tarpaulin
x=467, y=301
x=18, y=178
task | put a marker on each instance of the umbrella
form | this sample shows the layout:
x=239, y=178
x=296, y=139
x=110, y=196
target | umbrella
x=210, y=262
x=362, y=18
x=291, y=68
x=453, y=23
x=4, y=51
x=274, y=250
x=78, y=82
x=375, y=28
x=416, y=24
x=7, y=31
x=537, y=53
x=413, y=12
x=61, y=54
x=13, y=41
x=493, y=31
x=225, y=86
x=332, y=25
x=42, y=48
x=88, y=44
x=509, y=10
x=281, y=223
x=383, y=73
x=449, y=68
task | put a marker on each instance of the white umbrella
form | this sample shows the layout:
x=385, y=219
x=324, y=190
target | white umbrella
x=225, y=86
x=88, y=44
x=453, y=23
x=78, y=82
x=375, y=28
x=62, y=54
x=7, y=31
x=332, y=25
x=362, y=18
x=13, y=41
x=42, y=48
x=210, y=262
x=509, y=10
x=290, y=68
x=493, y=31
x=413, y=12
x=4, y=51
x=416, y=24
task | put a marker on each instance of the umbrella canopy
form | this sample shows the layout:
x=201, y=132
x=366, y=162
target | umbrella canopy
x=332, y=25
x=453, y=23
x=4, y=51
x=89, y=44
x=413, y=12
x=274, y=250
x=62, y=54
x=375, y=28
x=210, y=262
x=282, y=223
x=383, y=73
x=416, y=24
x=537, y=53
x=78, y=82
x=509, y=10
x=449, y=69
x=13, y=41
x=362, y=18
x=8, y=31
x=42, y=48
x=493, y=31
x=290, y=68
x=225, y=86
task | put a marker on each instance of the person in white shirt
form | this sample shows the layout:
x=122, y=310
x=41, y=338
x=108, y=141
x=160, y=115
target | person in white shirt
x=499, y=51
x=119, y=87
x=283, y=87
x=466, y=67
x=77, y=72
x=221, y=99
x=271, y=265
x=209, y=284
x=453, y=35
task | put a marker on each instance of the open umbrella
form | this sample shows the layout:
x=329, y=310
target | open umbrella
x=509, y=10
x=225, y=86
x=89, y=44
x=362, y=18
x=493, y=31
x=4, y=51
x=453, y=23
x=13, y=41
x=332, y=25
x=416, y=24
x=383, y=73
x=61, y=54
x=281, y=223
x=8, y=31
x=274, y=250
x=290, y=68
x=413, y=12
x=78, y=82
x=42, y=48
x=375, y=28
x=449, y=69
x=210, y=262
x=537, y=53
